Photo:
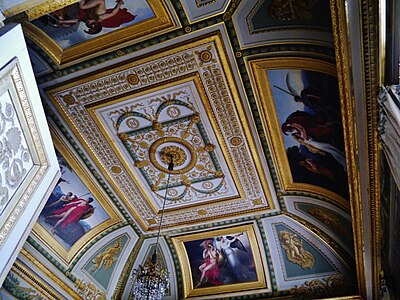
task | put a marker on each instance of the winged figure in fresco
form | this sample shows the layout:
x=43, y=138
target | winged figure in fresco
x=312, y=97
x=232, y=267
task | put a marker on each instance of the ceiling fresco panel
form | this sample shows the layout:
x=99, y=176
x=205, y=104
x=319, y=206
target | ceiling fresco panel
x=300, y=105
x=183, y=103
x=69, y=33
x=262, y=22
x=235, y=262
x=76, y=210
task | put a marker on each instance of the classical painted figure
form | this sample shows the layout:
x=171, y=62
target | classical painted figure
x=209, y=268
x=295, y=251
x=71, y=212
x=107, y=257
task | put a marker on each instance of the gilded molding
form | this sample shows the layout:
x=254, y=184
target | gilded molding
x=89, y=291
x=34, y=142
x=162, y=21
x=46, y=7
x=372, y=83
x=369, y=46
x=217, y=93
x=35, y=262
x=34, y=280
x=126, y=272
x=333, y=285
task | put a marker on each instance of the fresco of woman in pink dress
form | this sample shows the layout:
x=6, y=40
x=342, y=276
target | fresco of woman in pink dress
x=71, y=212
x=209, y=269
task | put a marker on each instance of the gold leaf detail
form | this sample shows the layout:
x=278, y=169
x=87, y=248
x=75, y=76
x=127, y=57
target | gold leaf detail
x=295, y=251
x=132, y=79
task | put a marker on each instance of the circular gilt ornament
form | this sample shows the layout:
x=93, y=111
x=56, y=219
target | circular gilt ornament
x=207, y=185
x=132, y=123
x=132, y=79
x=236, y=141
x=69, y=99
x=205, y=56
x=116, y=169
x=173, y=112
x=182, y=152
x=172, y=192
x=202, y=212
x=177, y=154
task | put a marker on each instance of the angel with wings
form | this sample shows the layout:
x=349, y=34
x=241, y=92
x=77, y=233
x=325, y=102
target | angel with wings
x=232, y=251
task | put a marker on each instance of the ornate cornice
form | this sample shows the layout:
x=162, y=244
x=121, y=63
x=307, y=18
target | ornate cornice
x=368, y=57
x=36, y=263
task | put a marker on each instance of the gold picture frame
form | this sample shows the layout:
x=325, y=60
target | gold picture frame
x=162, y=21
x=50, y=240
x=191, y=250
x=273, y=122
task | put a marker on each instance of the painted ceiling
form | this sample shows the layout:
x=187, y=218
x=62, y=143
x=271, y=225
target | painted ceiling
x=244, y=96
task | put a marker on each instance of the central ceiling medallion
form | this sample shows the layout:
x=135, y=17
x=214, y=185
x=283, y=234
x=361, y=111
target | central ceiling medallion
x=183, y=153
x=177, y=154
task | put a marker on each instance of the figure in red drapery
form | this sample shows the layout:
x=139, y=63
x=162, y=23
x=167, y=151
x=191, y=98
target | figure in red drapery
x=71, y=212
x=209, y=269
x=96, y=16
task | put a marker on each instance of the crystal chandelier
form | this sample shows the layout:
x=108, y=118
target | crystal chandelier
x=150, y=281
